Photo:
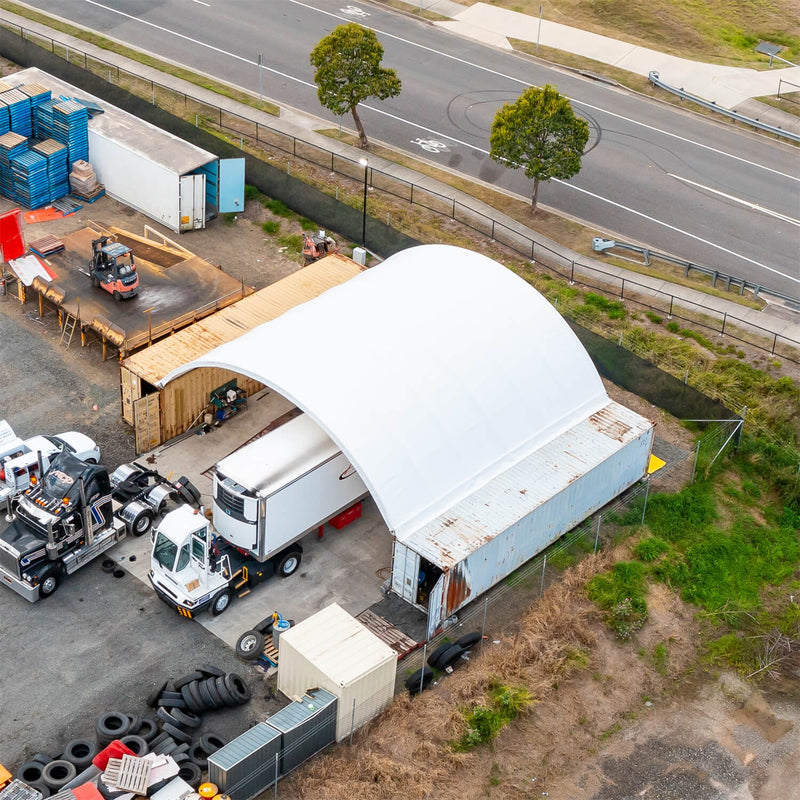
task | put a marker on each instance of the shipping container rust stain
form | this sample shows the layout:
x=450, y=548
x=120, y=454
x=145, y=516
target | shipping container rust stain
x=608, y=424
x=458, y=588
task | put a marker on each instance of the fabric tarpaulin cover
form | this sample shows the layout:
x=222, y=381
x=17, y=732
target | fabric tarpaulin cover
x=433, y=371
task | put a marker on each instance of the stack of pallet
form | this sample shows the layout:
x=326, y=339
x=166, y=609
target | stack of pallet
x=11, y=145
x=36, y=92
x=5, y=120
x=57, y=157
x=71, y=127
x=83, y=181
x=19, y=111
x=31, y=185
x=43, y=119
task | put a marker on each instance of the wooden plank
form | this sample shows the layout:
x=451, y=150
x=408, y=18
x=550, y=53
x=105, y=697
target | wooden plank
x=386, y=632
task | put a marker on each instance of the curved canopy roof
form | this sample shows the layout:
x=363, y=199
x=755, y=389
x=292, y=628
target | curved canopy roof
x=433, y=371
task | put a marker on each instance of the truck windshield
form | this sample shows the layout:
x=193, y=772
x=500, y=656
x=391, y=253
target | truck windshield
x=165, y=551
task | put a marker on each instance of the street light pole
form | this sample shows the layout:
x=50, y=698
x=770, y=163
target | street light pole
x=364, y=163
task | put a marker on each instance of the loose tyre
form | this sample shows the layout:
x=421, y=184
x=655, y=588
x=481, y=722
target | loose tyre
x=194, y=688
x=451, y=656
x=172, y=702
x=112, y=725
x=31, y=772
x=57, y=773
x=148, y=729
x=210, y=671
x=43, y=758
x=289, y=563
x=198, y=756
x=190, y=773
x=191, y=703
x=136, y=721
x=227, y=697
x=220, y=602
x=166, y=716
x=211, y=742
x=433, y=658
x=192, y=676
x=468, y=640
x=40, y=786
x=419, y=680
x=177, y=733
x=155, y=695
x=205, y=695
x=211, y=685
x=157, y=741
x=239, y=690
x=80, y=752
x=250, y=645
x=136, y=744
x=186, y=718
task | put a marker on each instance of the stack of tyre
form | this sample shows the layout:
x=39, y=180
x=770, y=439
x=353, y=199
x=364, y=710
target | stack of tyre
x=444, y=659
x=48, y=775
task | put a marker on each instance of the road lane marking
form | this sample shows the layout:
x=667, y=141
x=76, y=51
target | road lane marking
x=741, y=201
x=201, y=3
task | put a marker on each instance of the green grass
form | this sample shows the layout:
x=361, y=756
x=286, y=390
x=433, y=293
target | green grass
x=279, y=208
x=484, y=722
x=293, y=243
x=308, y=224
x=621, y=594
x=271, y=226
x=650, y=549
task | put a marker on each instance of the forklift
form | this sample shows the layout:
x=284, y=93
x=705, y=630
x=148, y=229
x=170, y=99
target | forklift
x=112, y=268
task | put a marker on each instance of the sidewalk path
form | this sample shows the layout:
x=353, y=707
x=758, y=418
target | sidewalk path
x=302, y=125
x=726, y=86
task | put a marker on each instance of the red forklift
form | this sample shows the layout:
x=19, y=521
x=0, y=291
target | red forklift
x=112, y=268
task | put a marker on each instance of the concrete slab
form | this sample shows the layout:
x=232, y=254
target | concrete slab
x=348, y=567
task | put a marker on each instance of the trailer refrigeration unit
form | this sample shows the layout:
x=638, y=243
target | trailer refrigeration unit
x=267, y=496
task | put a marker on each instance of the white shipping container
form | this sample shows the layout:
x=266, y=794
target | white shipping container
x=334, y=651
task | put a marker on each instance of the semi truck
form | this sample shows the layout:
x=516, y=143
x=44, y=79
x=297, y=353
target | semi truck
x=72, y=514
x=266, y=497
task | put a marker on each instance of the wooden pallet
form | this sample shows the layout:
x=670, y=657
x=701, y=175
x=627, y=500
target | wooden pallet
x=386, y=632
x=269, y=655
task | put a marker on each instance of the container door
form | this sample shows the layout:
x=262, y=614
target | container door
x=405, y=572
x=231, y=185
x=192, y=202
x=147, y=422
x=436, y=608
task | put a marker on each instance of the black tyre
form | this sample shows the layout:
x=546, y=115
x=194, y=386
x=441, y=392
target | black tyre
x=148, y=729
x=192, y=676
x=227, y=697
x=239, y=690
x=180, y=758
x=31, y=772
x=167, y=747
x=172, y=702
x=142, y=522
x=136, y=721
x=468, y=640
x=211, y=686
x=289, y=563
x=198, y=756
x=135, y=743
x=112, y=725
x=433, y=658
x=43, y=758
x=177, y=733
x=450, y=656
x=220, y=602
x=57, y=773
x=40, y=786
x=186, y=718
x=166, y=716
x=419, y=680
x=250, y=645
x=95, y=282
x=80, y=752
x=108, y=565
x=191, y=773
x=209, y=670
x=265, y=626
x=49, y=583
x=194, y=688
x=205, y=696
x=155, y=695
x=188, y=697
x=117, y=296
x=158, y=740
x=211, y=742
x=183, y=747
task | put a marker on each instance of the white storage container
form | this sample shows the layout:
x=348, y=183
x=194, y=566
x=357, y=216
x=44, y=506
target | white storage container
x=332, y=650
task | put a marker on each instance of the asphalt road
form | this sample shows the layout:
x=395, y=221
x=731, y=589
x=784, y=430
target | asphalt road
x=676, y=181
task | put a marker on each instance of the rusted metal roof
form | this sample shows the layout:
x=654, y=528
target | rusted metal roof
x=495, y=507
x=153, y=363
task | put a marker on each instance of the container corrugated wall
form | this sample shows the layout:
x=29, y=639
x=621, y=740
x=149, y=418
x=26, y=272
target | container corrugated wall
x=306, y=727
x=245, y=767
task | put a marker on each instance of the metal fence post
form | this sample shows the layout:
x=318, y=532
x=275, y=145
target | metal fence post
x=353, y=721
x=276, y=774
x=724, y=320
x=622, y=290
x=671, y=301
x=572, y=274
x=544, y=566
x=422, y=671
x=533, y=249
x=646, y=495
x=483, y=626
x=774, y=344
x=597, y=532
x=454, y=208
x=696, y=454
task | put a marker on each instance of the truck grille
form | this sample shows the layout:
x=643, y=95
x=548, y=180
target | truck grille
x=230, y=502
x=9, y=562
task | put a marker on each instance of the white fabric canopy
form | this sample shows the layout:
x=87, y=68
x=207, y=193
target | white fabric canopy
x=433, y=371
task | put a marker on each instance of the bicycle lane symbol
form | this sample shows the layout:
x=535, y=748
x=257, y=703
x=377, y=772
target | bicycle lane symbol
x=430, y=145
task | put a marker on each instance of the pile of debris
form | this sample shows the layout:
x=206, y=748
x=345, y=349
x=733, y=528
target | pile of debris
x=83, y=182
x=133, y=755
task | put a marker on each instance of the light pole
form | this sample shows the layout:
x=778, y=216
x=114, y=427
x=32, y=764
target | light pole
x=364, y=163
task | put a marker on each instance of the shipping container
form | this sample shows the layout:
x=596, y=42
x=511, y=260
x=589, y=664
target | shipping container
x=332, y=650
x=248, y=765
x=451, y=561
x=306, y=727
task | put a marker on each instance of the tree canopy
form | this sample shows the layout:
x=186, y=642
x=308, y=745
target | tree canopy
x=540, y=134
x=348, y=71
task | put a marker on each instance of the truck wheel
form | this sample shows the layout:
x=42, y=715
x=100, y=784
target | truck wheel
x=49, y=584
x=95, y=282
x=289, y=563
x=142, y=522
x=250, y=645
x=117, y=296
x=419, y=680
x=221, y=602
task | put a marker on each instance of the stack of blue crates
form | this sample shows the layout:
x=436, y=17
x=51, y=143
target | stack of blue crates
x=31, y=184
x=71, y=126
x=43, y=119
x=5, y=121
x=57, y=157
x=36, y=92
x=19, y=111
x=11, y=145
